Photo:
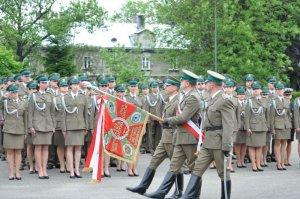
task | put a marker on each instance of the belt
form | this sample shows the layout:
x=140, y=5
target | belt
x=214, y=128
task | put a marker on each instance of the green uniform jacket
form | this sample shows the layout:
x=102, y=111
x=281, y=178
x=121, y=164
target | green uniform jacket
x=75, y=120
x=297, y=112
x=280, y=114
x=15, y=116
x=254, y=120
x=41, y=115
x=169, y=111
x=220, y=113
x=190, y=107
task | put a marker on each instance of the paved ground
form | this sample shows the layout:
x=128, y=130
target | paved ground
x=270, y=184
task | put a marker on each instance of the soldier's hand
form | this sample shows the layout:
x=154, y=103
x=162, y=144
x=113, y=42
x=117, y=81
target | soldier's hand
x=273, y=132
x=53, y=130
x=32, y=131
x=1, y=122
x=297, y=130
x=249, y=132
x=64, y=133
x=226, y=153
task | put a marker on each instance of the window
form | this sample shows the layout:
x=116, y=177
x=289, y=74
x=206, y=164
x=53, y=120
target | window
x=174, y=64
x=146, y=64
x=87, y=62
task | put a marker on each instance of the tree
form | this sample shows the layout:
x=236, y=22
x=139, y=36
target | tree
x=252, y=36
x=27, y=24
x=60, y=59
x=123, y=63
x=8, y=63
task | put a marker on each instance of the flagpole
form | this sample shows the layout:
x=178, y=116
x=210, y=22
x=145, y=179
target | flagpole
x=105, y=93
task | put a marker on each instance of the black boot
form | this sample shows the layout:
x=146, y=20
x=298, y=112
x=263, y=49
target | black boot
x=228, y=188
x=193, y=188
x=145, y=183
x=164, y=188
x=178, y=187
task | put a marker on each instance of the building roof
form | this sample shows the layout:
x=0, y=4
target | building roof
x=114, y=34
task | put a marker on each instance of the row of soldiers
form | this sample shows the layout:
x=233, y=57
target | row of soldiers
x=57, y=106
x=234, y=118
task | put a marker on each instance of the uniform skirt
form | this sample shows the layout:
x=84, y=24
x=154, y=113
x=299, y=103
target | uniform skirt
x=256, y=139
x=282, y=134
x=240, y=137
x=58, y=139
x=74, y=138
x=13, y=141
x=42, y=138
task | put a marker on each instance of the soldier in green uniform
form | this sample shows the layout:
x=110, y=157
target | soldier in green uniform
x=111, y=84
x=54, y=90
x=271, y=86
x=120, y=93
x=296, y=120
x=154, y=105
x=74, y=125
x=32, y=88
x=266, y=101
x=83, y=82
x=249, y=79
x=134, y=98
x=219, y=127
x=256, y=117
x=280, y=124
x=229, y=88
x=58, y=138
x=240, y=137
x=41, y=124
x=288, y=97
x=2, y=92
x=186, y=144
x=165, y=147
x=14, y=128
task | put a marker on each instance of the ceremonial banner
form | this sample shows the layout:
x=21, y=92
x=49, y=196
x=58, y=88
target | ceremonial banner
x=95, y=152
x=124, y=126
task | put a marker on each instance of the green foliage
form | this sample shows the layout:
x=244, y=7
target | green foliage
x=25, y=25
x=60, y=59
x=252, y=35
x=8, y=63
x=125, y=64
x=295, y=95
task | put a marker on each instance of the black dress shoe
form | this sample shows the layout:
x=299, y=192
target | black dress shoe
x=123, y=169
x=11, y=178
x=278, y=168
x=239, y=166
x=130, y=175
x=72, y=177
x=119, y=170
x=46, y=177
x=77, y=176
x=31, y=172
x=107, y=175
x=41, y=177
x=62, y=171
x=254, y=170
x=18, y=178
x=67, y=171
x=283, y=168
x=259, y=169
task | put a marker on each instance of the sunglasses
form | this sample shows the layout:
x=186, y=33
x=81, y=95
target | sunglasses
x=200, y=84
x=103, y=85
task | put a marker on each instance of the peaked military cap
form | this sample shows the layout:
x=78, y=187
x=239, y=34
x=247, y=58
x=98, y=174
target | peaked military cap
x=13, y=88
x=256, y=85
x=215, y=77
x=121, y=88
x=172, y=81
x=133, y=82
x=279, y=85
x=249, y=77
x=32, y=84
x=240, y=90
x=189, y=76
x=25, y=72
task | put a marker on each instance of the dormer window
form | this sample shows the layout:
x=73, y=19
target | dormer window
x=146, y=64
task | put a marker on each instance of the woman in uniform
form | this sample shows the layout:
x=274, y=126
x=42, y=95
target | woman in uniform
x=133, y=98
x=280, y=123
x=256, y=126
x=120, y=93
x=41, y=124
x=14, y=128
x=74, y=125
x=240, y=138
x=58, y=138
x=32, y=88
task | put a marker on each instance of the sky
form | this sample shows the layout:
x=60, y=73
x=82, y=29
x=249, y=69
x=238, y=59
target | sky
x=110, y=5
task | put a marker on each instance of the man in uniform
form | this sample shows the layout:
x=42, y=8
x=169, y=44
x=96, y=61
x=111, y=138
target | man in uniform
x=2, y=91
x=219, y=128
x=165, y=147
x=111, y=84
x=154, y=104
x=83, y=82
x=25, y=78
x=271, y=86
x=186, y=143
